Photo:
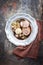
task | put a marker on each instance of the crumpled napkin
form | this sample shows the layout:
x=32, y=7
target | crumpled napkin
x=30, y=50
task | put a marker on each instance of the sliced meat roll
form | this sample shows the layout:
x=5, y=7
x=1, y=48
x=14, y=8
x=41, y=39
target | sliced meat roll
x=26, y=31
x=24, y=23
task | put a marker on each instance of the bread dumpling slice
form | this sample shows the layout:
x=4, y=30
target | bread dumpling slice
x=18, y=31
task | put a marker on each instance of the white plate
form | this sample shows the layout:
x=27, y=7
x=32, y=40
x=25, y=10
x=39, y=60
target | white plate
x=10, y=35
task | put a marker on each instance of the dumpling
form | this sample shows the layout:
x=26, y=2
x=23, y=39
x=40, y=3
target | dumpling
x=18, y=31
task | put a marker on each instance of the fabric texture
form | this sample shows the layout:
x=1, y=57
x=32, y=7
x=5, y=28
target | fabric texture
x=30, y=50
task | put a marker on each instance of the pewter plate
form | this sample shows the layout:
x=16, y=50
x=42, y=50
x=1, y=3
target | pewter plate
x=9, y=32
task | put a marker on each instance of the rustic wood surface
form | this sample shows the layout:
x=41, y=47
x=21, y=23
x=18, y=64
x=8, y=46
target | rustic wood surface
x=7, y=9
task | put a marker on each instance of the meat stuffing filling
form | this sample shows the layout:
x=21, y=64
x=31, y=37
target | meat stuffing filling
x=21, y=28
